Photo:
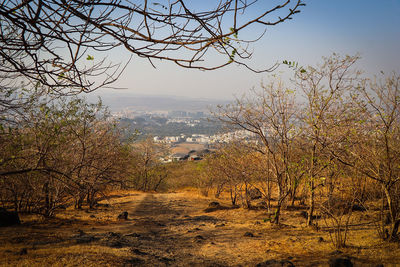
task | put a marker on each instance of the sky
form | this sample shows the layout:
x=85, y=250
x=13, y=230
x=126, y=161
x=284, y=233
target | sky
x=368, y=27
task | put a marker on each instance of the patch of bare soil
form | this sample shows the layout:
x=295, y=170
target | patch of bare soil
x=186, y=148
x=174, y=230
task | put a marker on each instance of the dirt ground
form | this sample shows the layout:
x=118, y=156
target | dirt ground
x=186, y=148
x=173, y=229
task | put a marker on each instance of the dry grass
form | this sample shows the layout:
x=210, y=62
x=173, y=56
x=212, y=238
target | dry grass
x=186, y=147
x=173, y=229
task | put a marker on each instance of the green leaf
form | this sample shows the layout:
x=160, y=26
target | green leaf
x=61, y=75
x=89, y=57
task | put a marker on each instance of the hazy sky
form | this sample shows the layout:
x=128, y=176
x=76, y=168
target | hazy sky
x=368, y=27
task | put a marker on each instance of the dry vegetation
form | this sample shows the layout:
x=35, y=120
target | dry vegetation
x=316, y=179
x=173, y=229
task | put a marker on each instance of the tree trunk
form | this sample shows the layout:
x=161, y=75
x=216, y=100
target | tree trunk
x=394, y=225
x=277, y=214
x=311, y=204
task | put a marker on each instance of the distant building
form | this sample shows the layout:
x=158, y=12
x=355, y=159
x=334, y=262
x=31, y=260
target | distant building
x=194, y=157
x=177, y=113
x=179, y=157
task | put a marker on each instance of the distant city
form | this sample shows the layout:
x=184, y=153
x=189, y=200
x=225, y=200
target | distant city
x=179, y=126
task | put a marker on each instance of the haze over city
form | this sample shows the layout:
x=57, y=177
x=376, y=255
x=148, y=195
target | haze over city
x=365, y=27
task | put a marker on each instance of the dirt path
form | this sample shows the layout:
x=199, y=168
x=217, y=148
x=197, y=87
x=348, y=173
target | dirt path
x=170, y=229
x=174, y=230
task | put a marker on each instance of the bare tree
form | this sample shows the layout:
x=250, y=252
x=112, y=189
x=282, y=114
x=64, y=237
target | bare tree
x=55, y=44
x=148, y=171
x=66, y=150
x=376, y=154
x=235, y=167
x=269, y=115
x=326, y=116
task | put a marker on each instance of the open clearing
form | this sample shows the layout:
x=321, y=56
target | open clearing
x=185, y=148
x=172, y=229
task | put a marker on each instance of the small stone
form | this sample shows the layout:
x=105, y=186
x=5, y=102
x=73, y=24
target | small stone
x=138, y=252
x=198, y=238
x=123, y=216
x=23, y=251
x=249, y=234
x=133, y=235
x=340, y=262
x=214, y=204
x=81, y=233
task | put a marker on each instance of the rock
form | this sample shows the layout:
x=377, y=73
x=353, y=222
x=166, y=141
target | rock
x=166, y=260
x=248, y=234
x=213, y=206
x=340, y=262
x=133, y=235
x=81, y=233
x=138, y=252
x=112, y=235
x=8, y=218
x=254, y=193
x=23, y=251
x=123, y=216
x=81, y=237
x=115, y=244
x=198, y=238
x=275, y=263
x=114, y=240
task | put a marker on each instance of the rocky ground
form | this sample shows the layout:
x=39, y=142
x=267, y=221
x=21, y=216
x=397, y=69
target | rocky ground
x=176, y=229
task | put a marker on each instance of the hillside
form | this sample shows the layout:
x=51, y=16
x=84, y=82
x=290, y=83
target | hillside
x=173, y=229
